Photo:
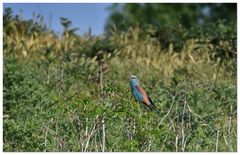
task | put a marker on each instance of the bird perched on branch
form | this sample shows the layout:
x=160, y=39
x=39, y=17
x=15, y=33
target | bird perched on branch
x=140, y=95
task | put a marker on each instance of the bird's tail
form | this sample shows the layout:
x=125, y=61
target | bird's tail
x=155, y=109
x=153, y=106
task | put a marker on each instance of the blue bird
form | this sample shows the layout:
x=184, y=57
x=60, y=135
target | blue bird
x=140, y=95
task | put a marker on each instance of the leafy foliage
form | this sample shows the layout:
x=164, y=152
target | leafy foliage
x=52, y=96
x=177, y=23
x=166, y=14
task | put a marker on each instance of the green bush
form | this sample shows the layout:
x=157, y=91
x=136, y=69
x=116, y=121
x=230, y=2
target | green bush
x=52, y=93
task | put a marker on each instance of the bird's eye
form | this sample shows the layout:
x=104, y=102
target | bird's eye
x=133, y=77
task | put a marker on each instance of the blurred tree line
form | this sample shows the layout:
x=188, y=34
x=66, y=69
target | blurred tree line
x=174, y=24
x=165, y=15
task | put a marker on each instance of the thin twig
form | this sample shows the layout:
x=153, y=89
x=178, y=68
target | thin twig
x=171, y=122
x=45, y=140
x=185, y=143
x=194, y=112
x=164, y=142
x=176, y=142
x=229, y=129
x=56, y=131
x=86, y=130
x=149, y=147
x=182, y=126
x=103, y=134
x=216, y=150
x=89, y=137
x=56, y=135
x=225, y=139
x=168, y=111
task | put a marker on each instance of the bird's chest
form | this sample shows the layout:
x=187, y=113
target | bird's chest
x=136, y=92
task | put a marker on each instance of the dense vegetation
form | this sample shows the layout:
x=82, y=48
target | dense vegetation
x=71, y=92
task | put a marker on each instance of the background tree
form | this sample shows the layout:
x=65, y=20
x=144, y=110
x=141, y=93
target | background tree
x=174, y=24
x=188, y=15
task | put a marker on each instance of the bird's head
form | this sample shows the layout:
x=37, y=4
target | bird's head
x=133, y=79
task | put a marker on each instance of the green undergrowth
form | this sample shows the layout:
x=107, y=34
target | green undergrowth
x=52, y=97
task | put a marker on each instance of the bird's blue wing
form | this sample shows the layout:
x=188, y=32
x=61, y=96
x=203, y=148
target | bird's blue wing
x=134, y=94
